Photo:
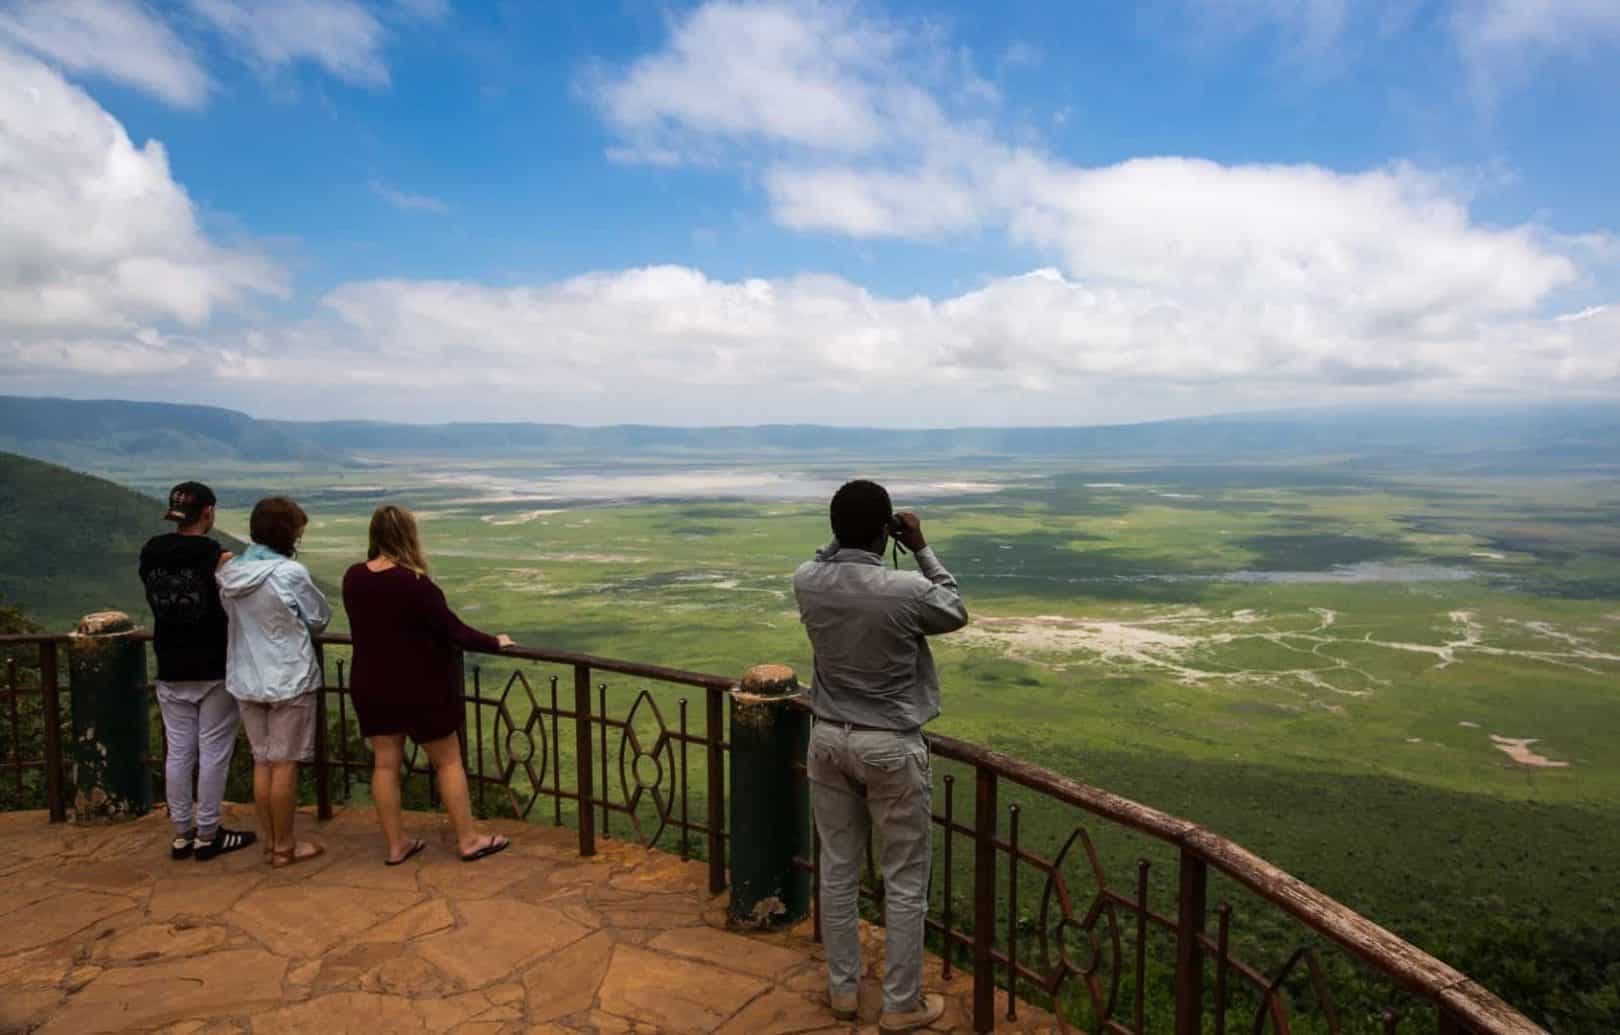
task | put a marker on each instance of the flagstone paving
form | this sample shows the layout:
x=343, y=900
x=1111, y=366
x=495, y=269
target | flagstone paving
x=101, y=932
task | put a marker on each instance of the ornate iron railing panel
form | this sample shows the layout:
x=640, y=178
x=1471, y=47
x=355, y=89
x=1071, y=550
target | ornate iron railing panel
x=33, y=726
x=535, y=752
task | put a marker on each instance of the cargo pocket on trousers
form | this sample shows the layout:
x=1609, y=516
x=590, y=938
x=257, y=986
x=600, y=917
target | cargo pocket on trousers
x=923, y=765
x=821, y=763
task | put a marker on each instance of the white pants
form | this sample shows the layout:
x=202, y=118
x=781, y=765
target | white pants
x=199, y=723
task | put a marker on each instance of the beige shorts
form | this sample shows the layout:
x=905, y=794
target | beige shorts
x=281, y=732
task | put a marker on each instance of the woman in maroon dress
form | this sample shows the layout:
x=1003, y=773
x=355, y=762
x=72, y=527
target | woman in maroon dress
x=406, y=681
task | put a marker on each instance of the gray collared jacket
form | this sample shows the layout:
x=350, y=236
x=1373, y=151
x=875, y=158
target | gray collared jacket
x=868, y=626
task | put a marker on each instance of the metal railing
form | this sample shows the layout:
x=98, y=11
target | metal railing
x=523, y=724
x=33, y=742
x=1095, y=954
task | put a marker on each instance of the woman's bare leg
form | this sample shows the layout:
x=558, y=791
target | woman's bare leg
x=445, y=754
x=387, y=755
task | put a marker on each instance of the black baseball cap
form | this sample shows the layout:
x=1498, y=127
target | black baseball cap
x=187, y=501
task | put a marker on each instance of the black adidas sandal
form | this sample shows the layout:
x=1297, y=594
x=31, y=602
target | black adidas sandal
x=181, y=846
x=224, y=841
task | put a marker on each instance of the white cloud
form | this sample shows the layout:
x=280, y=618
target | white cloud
x=406, y=201
x=1177, y=268
x=96, y=237
x=120, y=40
x=342, y=36
x=1022, y=54
x=126, y=41
x=142, y=355
x=803, y=76
x=1501, y=41
x=1310, y=28
x=875, y=202
x=795, y=73
x=671, y=343
x=1388, y=251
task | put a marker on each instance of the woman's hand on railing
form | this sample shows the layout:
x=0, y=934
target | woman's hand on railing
x=504, y=640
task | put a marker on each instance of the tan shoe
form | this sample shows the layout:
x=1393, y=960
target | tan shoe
x=930, y=1008
x=845, y=1007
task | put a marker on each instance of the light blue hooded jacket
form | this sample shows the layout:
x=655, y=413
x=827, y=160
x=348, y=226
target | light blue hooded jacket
x=274, y=608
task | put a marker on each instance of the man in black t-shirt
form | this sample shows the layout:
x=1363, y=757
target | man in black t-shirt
x=199, y=717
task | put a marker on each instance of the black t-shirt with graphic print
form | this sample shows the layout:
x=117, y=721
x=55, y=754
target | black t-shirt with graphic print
x=188, y=633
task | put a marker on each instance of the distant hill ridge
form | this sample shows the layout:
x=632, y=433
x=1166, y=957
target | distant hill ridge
x=96, y=433
x=89, y=431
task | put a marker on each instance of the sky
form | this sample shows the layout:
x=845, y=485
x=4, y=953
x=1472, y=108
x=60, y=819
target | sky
x=835, y=211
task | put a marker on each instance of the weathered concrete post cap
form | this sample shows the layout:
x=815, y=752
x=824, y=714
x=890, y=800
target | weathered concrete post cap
x=105, y=623
x=769, y=681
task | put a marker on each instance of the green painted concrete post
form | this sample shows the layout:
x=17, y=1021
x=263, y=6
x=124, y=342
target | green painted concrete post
x=107, y=668
x=770, y=800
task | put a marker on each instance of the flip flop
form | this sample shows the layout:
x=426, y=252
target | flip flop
x=281, y=860
x=497, y=843
x=417, y=844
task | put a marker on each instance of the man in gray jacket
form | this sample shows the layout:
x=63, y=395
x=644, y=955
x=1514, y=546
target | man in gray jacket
x=874, y=688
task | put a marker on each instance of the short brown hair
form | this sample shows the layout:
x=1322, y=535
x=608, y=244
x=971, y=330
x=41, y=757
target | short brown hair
x=277, y=522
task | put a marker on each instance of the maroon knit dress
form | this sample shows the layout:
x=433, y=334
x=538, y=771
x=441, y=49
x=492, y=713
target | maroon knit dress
x=405, y=677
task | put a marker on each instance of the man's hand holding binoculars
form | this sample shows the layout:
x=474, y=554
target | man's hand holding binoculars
x=906, y=526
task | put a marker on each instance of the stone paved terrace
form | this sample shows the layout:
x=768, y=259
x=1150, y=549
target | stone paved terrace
x=100, y=931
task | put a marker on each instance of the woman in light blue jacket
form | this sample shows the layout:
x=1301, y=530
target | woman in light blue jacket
x=271, y=668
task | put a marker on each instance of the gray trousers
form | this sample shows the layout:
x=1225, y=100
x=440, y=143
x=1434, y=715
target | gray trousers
x=199, y=724
x=861, y=780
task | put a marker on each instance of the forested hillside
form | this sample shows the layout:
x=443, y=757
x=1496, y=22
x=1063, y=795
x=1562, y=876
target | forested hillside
x=69, y=543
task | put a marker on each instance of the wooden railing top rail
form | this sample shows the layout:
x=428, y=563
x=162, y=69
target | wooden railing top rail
x=661, y=673
x=1405, y=963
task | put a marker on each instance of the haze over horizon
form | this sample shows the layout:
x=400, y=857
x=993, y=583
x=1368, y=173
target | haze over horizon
x=808, y=211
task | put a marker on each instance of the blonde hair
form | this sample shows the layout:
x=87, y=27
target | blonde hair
x=393, y=535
